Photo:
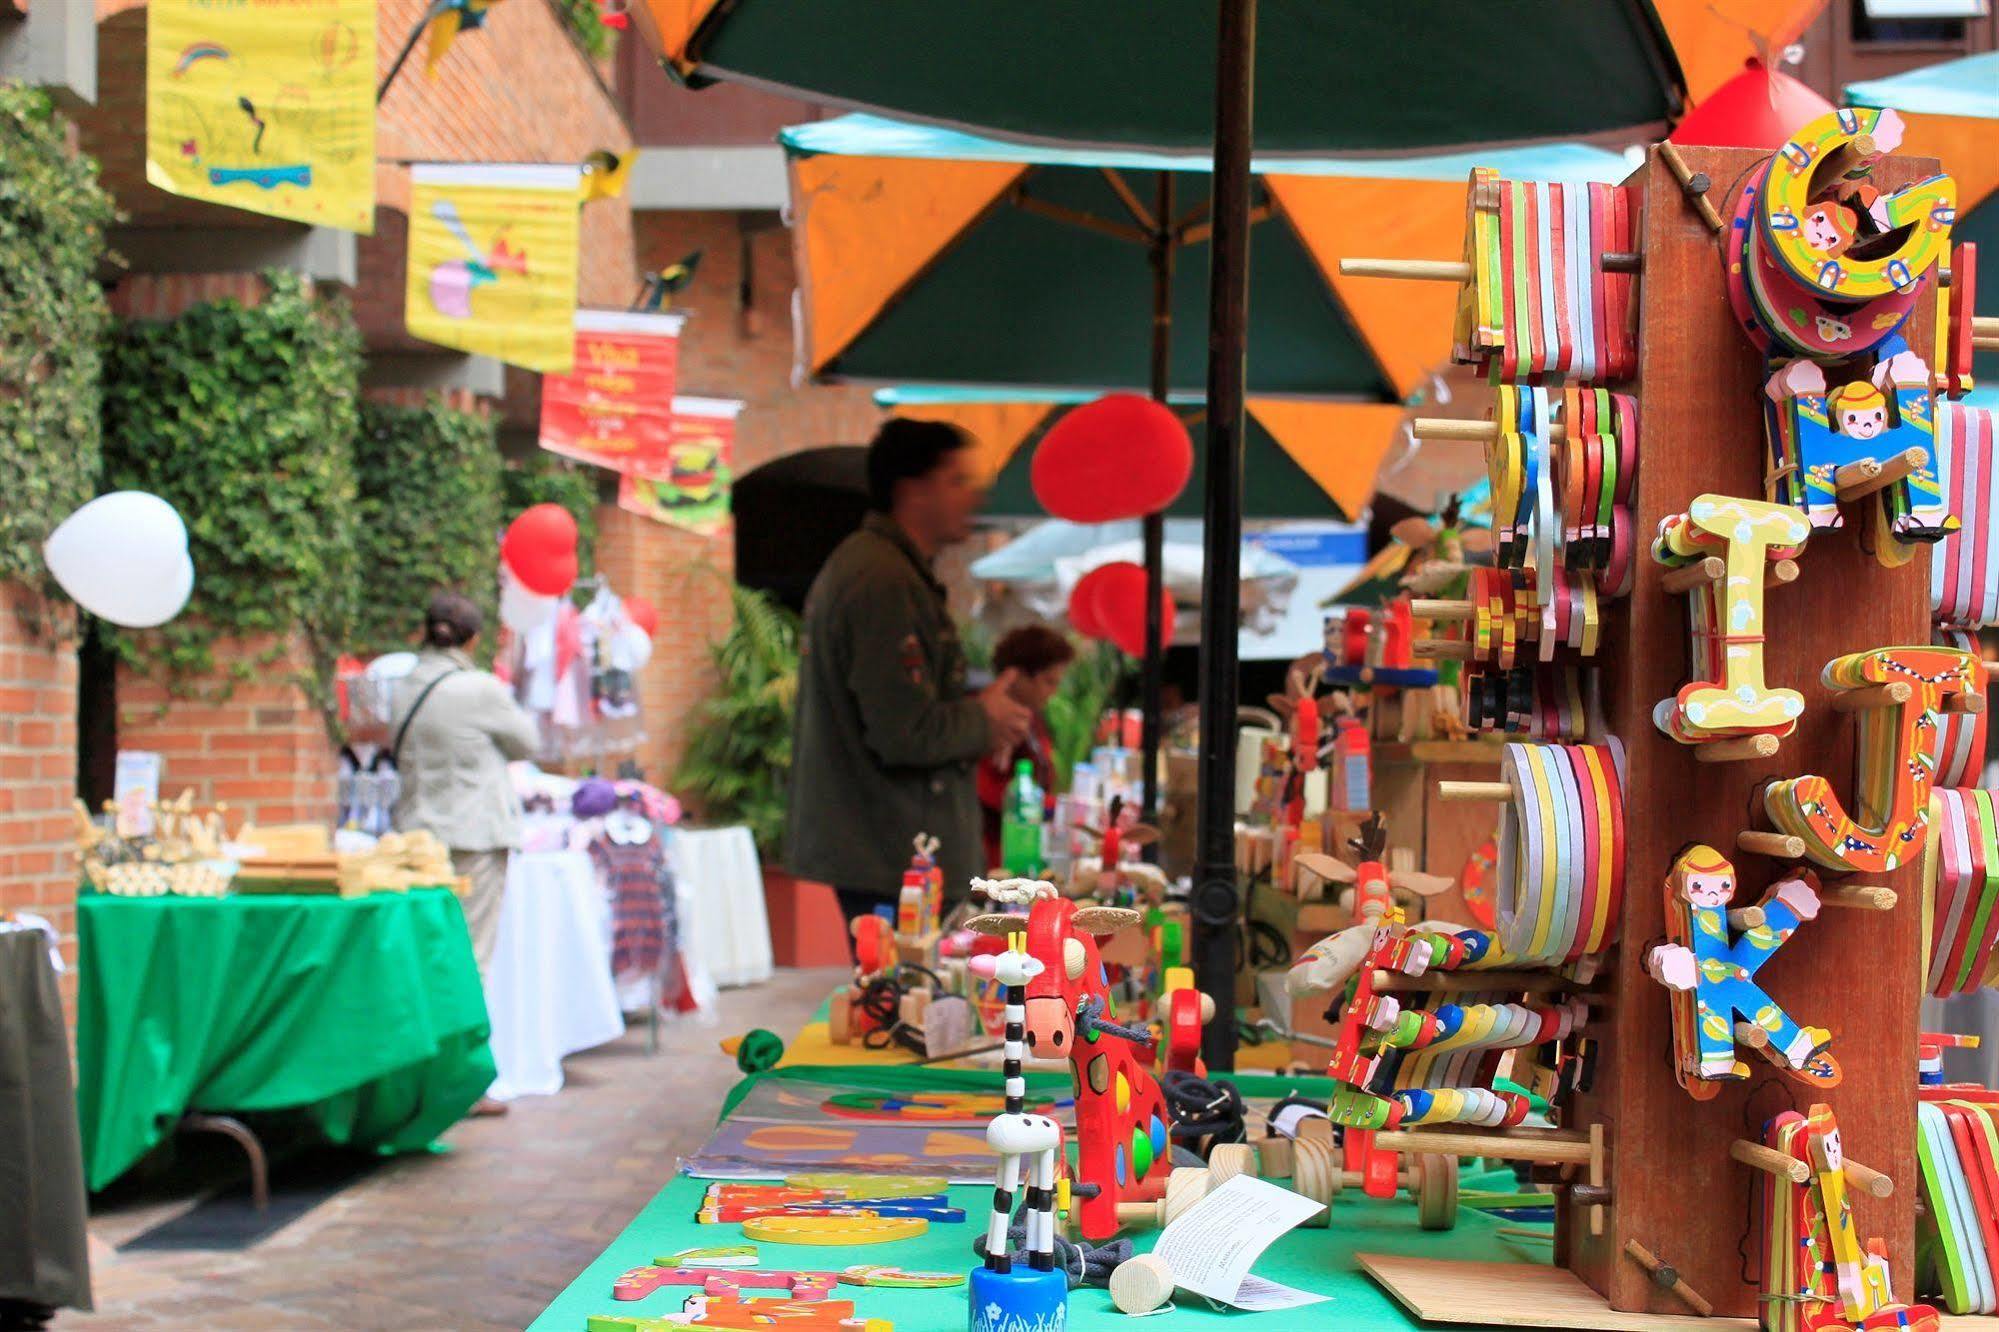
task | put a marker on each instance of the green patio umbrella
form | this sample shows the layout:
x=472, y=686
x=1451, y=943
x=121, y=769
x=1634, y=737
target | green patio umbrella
x=1404, y=77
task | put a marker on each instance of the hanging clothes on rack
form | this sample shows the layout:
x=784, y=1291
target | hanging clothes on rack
x=630, y=856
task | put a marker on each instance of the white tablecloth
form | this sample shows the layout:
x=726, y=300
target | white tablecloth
x=548, y=991
x=729, y=931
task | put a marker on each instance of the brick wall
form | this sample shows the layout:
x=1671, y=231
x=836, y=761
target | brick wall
x=262, y=750
x=686, y=577
x=38, y=765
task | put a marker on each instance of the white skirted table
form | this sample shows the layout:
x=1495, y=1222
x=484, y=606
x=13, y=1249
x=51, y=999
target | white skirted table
x=549, y=991
x=717, y=869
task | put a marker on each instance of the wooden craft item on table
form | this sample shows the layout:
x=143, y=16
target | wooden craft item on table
x=710, y=1255
x=1957, y=1242
x=1029, y=1146
x=1115, y=874
x=737, y=1315
x=1824, y=267
x=731, y=1203
x=894, y=1278
x=1961, y=891
x=1816, y=1273
x=1958, y=744
x=869, y=1186
x=1727, y=698
x=640, y=1282
x=1712, y=976
x=837, y=1230
x=1901, y=692
x=1964, y=571
x=1122, y=1125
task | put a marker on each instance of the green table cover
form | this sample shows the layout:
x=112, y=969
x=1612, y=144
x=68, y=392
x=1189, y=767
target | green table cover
x=365, y=1013
x=1316, y=1260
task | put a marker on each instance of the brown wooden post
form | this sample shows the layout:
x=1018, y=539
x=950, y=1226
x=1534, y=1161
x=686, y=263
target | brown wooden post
x=1674, y=1188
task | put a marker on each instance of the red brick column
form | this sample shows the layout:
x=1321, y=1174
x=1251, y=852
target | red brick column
x=687, y=577
x=261, y=748
x=38, y=765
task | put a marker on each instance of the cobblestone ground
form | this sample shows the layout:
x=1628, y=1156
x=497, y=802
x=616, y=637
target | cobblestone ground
x=478, y=1239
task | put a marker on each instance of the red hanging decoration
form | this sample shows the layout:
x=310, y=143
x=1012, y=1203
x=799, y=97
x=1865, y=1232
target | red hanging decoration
x=1122, y=456
x=540, y=548
x=1758, y=108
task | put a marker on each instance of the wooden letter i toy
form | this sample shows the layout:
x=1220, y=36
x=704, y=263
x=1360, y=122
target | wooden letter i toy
x=1034, y=1298
x=1713, y=977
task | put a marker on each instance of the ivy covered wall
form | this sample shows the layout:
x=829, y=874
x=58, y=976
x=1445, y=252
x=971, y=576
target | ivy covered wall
x=52, y=318
x=427, y=517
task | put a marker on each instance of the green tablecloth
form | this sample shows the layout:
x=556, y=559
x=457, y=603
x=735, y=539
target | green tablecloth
x=364, y=1013
x=1316, y=1260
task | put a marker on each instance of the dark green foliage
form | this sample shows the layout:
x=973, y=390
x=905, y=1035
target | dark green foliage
x=738, y=763
x=52, y=317
x=543, y=478
x=244, y=420
x=582, y=18
x=427, y=517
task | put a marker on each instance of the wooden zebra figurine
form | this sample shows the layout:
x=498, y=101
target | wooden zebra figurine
x=1003, y=1299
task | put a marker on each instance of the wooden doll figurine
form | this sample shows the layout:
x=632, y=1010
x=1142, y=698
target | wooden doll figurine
x=1713, y=976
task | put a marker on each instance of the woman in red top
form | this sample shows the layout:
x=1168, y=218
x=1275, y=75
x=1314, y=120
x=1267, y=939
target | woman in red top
x=1038, y=656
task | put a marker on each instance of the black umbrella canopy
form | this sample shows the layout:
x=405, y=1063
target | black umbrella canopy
x=790, y=514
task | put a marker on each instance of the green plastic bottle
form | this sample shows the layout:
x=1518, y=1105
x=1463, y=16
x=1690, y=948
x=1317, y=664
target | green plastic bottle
x=1020, y=824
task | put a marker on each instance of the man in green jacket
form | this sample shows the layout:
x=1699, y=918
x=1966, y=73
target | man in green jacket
x=886, y=737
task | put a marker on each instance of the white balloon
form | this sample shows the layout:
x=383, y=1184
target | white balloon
x=123, y=557
x=521, y=610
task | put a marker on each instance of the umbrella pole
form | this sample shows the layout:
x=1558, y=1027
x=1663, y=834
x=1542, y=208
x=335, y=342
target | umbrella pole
x=1217, y=900
x=1155, y=523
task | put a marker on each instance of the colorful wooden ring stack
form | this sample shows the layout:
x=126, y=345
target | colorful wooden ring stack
x=1964, y=572
x=1560, y=880
x=1961, y=880
x=1959, y=746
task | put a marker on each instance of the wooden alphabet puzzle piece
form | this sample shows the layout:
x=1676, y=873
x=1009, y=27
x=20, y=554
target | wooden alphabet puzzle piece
x=1817, y=1274
x=640, y=1282
x=1727, y=696
x=1712, y=976
x=1907, y=691
x=1821, y=433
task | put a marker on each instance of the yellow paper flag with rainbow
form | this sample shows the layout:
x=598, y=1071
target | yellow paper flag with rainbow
x=265, y=105
x=492, y=261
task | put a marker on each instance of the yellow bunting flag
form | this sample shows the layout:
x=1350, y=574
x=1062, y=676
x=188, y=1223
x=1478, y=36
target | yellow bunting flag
x=492, y=261
x=265, y=105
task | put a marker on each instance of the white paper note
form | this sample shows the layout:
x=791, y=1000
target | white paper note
x=1212, y=1245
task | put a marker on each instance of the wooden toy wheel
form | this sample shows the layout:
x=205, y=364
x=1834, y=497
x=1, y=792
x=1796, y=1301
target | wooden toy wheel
x=1437, y=1192
x=1184, y=1187
x=1228, y=1160
x=1316, y=1174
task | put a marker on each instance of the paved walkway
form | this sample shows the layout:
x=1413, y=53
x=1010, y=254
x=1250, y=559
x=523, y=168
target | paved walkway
x=478, y=1239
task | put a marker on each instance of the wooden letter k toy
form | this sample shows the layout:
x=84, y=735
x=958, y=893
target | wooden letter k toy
x=1713, y=977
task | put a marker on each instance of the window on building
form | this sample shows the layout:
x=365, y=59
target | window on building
x=1928, y=22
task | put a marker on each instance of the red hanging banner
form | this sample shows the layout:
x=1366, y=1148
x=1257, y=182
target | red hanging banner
x=615, y=409
x=692, y=489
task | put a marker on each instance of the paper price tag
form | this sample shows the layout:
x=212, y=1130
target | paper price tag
x=1212, y=1246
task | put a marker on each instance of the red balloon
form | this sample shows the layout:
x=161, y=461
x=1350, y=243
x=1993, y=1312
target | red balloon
x=1122, y=456
x=1083, y=604
x=540, y=548
x=1117, y=604
x=1758, y=108
x=643, y=614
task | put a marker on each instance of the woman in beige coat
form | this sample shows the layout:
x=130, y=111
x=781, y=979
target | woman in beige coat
x=456, y=729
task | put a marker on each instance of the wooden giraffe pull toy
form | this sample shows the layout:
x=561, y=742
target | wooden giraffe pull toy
x=1713, y=977
x=1889, y=823
x=1728, y=698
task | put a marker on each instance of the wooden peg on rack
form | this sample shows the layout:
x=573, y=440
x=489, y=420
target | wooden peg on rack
x=1456, y=270
x=1780, y=572
x=1424, y=608
x=1701, y=572
x=1738, y=750
x=1985, y=332
x=1480, y=432
x=1694, y=184
x=1858, y=897
x=1891, y=695
x=1867, y=1179
x=1778, y=846
x=1746, y=918
x=1455, y=649
x=1770, y=1161
x=1857, y=480
x=1664, y=1275
x=1462, y=791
